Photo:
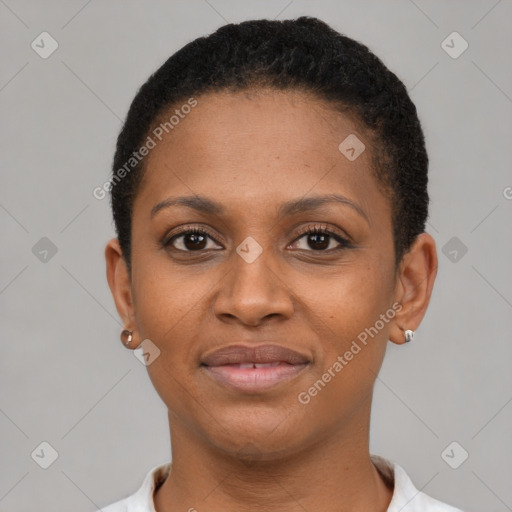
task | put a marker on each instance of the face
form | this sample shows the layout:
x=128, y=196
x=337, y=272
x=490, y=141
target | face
x=263, y=254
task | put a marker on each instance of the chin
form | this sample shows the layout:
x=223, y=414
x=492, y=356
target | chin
x=270, y=437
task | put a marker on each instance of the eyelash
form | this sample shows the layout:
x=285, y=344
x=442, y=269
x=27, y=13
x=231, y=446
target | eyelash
x=310, y=230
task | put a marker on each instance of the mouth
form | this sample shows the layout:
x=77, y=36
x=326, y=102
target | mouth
x=254, y=369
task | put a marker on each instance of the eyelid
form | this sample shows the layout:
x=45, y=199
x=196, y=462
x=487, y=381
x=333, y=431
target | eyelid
x=320, y=227
x=187, y=228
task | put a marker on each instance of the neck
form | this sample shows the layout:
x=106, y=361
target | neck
x=334, y=475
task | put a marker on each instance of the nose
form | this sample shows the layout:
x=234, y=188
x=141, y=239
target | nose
x=251, y=293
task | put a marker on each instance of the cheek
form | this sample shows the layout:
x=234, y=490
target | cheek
x=343, y=304
x=346, y=317
x=166, y=311
x=165, y=297
x=171, y=311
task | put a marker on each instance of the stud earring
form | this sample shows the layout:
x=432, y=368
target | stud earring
x=126, y=337
x=409, y=335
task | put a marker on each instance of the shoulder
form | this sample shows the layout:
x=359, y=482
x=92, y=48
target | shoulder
x=142, y=499
x=406, y=498
x=118, y=506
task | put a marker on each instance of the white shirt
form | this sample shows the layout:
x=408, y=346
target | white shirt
x=406, y=498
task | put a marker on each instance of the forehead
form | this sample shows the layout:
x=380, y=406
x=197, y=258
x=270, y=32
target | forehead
x=250, y=149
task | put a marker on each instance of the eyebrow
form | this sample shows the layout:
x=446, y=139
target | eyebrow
x=208, y=206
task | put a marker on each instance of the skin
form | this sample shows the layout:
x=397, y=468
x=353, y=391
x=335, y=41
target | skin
x=251, y=153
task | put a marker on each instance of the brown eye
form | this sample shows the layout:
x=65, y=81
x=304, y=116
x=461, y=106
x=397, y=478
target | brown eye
x=319, y=240
x=191, y=240
x=322, y=240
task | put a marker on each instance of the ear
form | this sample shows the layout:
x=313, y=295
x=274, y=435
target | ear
x=415, y=280
x=119, y=282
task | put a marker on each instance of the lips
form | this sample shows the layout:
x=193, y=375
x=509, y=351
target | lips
x=262, y=354
x=253, y=369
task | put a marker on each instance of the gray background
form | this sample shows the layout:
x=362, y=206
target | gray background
x=66, y=378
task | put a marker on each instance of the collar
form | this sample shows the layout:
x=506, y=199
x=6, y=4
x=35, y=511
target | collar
x=406, y=498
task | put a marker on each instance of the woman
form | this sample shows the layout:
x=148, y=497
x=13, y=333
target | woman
x=269, y=193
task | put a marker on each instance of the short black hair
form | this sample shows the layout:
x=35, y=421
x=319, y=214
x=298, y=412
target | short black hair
x=305, y=54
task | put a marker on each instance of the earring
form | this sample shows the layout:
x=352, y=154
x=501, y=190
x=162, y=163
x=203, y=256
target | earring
x=128, y=335
x=409, y=335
